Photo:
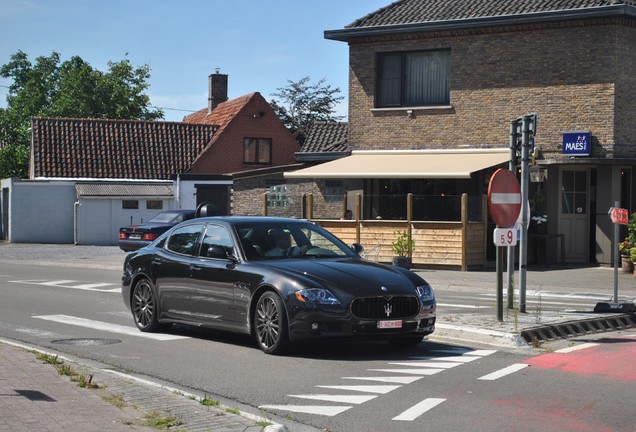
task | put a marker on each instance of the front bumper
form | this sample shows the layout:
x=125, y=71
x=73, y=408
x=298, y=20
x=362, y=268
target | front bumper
x=312, y=325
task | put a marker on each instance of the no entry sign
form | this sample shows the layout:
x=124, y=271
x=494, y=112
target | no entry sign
x=504, y=198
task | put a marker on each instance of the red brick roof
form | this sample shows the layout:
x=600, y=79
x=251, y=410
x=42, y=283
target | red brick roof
x=114, y=149
x=221, y=115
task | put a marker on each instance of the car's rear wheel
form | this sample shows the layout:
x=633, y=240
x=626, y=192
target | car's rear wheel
x=406, y=341
x=144, y=307
x=270, y=324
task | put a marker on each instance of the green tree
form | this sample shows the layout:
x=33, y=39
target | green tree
x=302, y=103
x=72, y=88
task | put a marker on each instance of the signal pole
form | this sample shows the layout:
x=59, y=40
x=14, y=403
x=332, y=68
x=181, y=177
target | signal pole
x=526, y=124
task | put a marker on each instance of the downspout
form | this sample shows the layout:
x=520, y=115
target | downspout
x=75, y=218
x=178, y=191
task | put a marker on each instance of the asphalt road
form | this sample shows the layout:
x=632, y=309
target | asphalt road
x=369, y=386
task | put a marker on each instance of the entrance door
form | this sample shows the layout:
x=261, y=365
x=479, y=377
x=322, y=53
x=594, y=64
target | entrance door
x=574, y=215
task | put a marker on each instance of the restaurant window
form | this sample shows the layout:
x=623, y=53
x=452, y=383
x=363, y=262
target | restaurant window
x=334, y=190
x=258, y=151
x=415, y=78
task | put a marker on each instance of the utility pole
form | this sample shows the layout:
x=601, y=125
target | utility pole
x=524, y=128
x=512, y=166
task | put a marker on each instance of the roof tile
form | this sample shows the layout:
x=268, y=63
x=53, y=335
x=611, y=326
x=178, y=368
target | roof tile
x=326, y=137
x=103, y=148
x=426, y=11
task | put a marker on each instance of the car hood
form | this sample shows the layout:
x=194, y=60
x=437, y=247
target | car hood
x=357, y=277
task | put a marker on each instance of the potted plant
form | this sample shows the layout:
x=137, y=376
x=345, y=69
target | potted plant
x=402, y=247
x=632, y=259
x=627, y=263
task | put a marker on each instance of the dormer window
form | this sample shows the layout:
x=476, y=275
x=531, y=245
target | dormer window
x=413, y=78
x=258, y=151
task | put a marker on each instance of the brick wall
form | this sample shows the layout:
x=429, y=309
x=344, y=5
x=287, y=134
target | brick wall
x=226, y=153
x=248, y=197
x=576, y=76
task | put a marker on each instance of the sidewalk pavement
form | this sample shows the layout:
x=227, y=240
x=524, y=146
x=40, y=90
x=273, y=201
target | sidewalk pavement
x=34, y=397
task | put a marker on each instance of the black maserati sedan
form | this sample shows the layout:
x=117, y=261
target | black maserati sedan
x=280, y=280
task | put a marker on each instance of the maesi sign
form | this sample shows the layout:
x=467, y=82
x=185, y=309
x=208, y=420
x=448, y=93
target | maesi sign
x=577, y=143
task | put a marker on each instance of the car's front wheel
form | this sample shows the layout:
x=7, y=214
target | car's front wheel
x=144, y=307
x=270, y=324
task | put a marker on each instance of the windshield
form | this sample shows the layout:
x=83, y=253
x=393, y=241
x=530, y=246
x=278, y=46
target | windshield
x=264, y=241
x=167, y=218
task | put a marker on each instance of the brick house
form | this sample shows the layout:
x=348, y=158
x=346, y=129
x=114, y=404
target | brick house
x=266, y=191
x=427, y=76
x=94, y=175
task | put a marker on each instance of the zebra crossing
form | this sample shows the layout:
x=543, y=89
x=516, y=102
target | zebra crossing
x=73, y=284
x=393, y=377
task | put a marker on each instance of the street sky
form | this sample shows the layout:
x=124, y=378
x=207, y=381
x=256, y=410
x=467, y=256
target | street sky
x=260, y=44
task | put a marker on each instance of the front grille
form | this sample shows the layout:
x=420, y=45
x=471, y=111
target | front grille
x=385, y=307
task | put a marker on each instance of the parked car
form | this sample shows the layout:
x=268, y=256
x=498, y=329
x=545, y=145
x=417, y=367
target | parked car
x=218, y=272
x=133, y=237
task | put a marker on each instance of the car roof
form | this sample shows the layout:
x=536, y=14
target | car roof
x=183, y=211
x=239, y=220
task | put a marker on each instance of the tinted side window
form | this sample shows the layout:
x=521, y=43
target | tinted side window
x=184, y=240
x=216, y=236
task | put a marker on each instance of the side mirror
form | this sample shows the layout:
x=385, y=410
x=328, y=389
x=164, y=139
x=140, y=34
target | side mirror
x=217, y=251
x=357, y=248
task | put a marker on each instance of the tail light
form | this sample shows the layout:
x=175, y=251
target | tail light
x=149, y=236
x=123, y=236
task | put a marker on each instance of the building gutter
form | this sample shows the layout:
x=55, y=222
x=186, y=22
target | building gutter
x=348, y=34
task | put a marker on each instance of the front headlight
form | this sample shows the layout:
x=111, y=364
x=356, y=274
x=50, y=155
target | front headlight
x=317, y=296
x=425, y=292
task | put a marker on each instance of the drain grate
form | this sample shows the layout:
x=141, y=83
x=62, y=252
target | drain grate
x=570, y=329
x=86, y=341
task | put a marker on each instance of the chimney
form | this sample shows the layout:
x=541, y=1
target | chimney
x=217, y=90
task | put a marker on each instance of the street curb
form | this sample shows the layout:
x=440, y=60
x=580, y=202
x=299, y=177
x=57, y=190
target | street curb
x=568, y=329
x=272, y=427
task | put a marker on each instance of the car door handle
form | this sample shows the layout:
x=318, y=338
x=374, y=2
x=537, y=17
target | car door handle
x=195, y=267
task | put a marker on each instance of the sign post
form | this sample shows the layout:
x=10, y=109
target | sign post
x=504, y=205
x=619, y=216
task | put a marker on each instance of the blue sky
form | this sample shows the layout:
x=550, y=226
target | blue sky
x=260, y=44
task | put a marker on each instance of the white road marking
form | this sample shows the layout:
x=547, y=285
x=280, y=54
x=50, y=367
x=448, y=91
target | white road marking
x=425, y=372
x=391, y=379
x=350, y=399
x=104, y=326
x=482, y=353
x=307, y=409
x=415, y=371
x=72, y=284
x=455, y=359
x=503, y=372
x=576, y=348
x=419, y=409
x=453, y=350
x=438, y=365
x=380, y=389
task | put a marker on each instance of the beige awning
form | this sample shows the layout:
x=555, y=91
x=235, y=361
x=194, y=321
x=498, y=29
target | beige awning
x=452, y=164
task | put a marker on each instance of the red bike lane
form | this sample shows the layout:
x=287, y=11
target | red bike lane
x=587, y=387
x=613, y=359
